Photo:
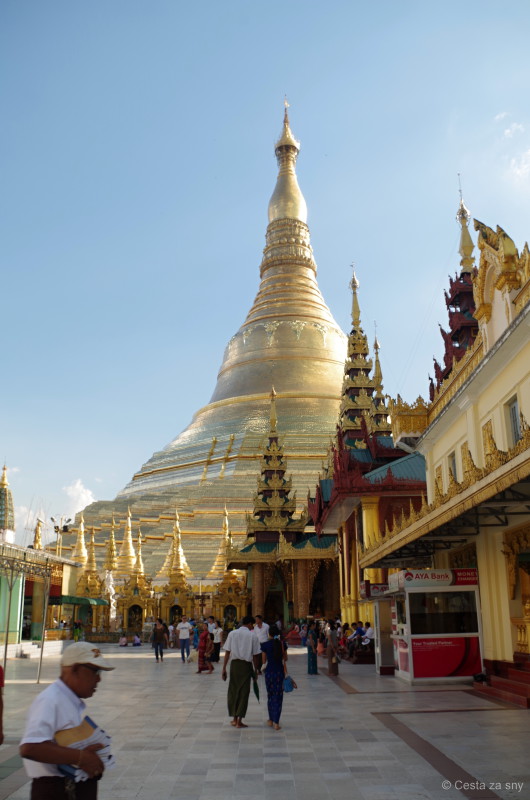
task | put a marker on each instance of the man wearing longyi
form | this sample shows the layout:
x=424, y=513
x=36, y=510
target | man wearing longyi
x=52, y=718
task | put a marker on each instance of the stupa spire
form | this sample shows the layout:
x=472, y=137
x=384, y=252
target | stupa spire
x=357, y=386
x=91, y=565
x=287, y=201
x=110, y=558
x=178, y=567
x=139, y=564
x=219, y=566
x=37, y=535
x=127, y=556
x=80, y=551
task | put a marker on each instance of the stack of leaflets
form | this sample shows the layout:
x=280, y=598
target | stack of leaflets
x=81, y=737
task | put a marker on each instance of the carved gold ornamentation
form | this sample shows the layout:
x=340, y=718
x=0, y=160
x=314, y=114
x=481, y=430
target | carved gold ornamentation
x=515, y=542
x=463, y=558
x=407, y=419
x=493, y=456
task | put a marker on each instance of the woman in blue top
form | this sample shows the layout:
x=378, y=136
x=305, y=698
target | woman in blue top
x=274, y=657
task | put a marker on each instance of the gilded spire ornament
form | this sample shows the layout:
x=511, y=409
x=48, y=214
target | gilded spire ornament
x=89, y=583
x=80, y=552
x=379, y=419
x=273, y=506
x=139, y=564
x=219, y=566
x=111, y=560
x=37, y=535
x=466, y=242
x=177, y=574
x=7, y=513
x=127, y=556
x=91, y=565
x=357, y=386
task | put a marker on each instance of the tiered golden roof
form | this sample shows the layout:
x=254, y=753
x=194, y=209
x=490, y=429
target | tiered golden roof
x=273, y=507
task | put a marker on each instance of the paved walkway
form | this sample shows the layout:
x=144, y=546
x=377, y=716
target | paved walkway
x=358, y=737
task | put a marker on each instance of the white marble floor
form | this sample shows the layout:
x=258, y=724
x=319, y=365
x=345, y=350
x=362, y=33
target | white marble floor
x=362, y=736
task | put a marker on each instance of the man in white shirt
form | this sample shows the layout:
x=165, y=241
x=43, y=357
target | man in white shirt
x=243, y=650
x=60, y=707
x=211, y=624
x=184, y=629
x=261, y=629
x=368, y=639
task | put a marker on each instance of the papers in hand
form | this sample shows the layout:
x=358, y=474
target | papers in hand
x=81, y=737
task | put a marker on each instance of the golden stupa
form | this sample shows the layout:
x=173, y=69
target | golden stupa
x=288, y=340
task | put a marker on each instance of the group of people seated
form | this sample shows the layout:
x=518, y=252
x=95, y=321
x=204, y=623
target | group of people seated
x=360, y=638
x=124, y=641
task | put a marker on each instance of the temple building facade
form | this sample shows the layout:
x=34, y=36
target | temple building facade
x=475, y=439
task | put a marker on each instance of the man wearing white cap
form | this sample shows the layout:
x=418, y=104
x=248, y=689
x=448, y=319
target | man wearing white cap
x=60, y=707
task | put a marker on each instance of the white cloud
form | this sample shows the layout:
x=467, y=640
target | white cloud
x=501, y=115
x=514, y=128
x=13, y=469
x=79, y=496
x=520, y=166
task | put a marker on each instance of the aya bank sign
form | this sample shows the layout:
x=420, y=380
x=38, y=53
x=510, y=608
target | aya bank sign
x=410, y=578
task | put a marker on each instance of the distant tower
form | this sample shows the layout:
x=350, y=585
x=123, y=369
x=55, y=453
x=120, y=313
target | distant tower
x=7, y=514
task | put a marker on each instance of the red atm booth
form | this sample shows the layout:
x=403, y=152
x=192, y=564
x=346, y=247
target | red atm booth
x=436, y=626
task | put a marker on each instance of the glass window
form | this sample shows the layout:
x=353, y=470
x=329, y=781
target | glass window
x=443, y=612
x=514, y=421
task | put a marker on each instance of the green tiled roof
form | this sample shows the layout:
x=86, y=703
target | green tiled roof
x=410, y=467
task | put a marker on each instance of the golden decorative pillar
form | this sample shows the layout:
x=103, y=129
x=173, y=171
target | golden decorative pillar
x=370, y=511
x=302, y=593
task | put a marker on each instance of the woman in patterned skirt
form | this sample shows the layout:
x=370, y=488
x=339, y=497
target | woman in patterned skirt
x=274, y=657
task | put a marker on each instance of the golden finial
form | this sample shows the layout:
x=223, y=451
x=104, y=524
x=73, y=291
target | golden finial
x=377, y=346
x=355, y=310
x=287, y=138
x=466, y=242
x=273, y=417
x=3, y=481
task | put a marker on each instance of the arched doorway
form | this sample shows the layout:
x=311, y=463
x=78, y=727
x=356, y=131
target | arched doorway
x=135, y=619
x=230, y=616
x=175, y=613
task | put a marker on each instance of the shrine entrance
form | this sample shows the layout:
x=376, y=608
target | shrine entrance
x=135, y=619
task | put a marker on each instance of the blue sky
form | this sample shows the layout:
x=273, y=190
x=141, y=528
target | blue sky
x=137, y=162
